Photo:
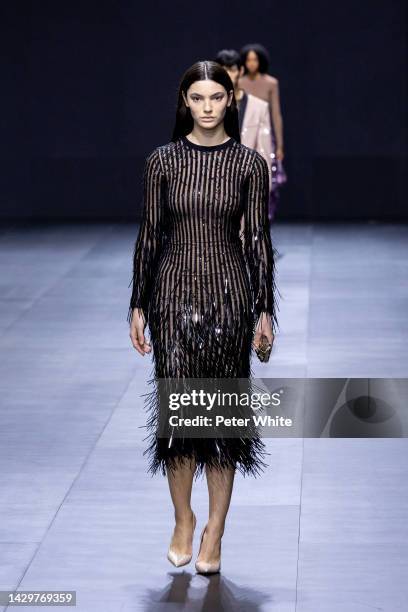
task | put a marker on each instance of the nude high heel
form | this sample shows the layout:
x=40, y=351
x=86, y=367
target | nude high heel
x=177, y=559
x=203, y=567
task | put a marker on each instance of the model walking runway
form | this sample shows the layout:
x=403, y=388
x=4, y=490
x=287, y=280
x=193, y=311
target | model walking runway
x=201, y=315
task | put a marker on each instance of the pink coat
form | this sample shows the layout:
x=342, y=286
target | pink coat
x=256, y=130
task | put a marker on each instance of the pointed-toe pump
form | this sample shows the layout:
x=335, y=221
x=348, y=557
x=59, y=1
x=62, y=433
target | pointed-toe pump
x=203, y=567
x=180, y=559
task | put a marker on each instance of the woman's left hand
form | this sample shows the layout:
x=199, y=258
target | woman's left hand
x=280, y=154
x=263, y=328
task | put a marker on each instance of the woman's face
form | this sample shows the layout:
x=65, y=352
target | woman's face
x=252, y=62
x=208, y=102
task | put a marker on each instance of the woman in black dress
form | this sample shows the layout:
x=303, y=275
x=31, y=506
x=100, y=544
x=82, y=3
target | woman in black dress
x=203, y=281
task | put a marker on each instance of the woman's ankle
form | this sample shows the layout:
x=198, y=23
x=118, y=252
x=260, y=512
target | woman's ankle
x=215, y=527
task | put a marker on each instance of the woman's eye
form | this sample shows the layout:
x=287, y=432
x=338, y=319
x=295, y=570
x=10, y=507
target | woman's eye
x=218, y=98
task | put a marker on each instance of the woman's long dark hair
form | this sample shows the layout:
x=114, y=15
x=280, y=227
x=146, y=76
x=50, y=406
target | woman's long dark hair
x=201, y=71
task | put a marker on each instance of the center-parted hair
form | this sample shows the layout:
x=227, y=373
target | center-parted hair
x=202, y=71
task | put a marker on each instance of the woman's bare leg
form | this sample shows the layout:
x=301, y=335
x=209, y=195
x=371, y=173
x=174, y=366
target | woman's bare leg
x=220, y=484
x=180, y=484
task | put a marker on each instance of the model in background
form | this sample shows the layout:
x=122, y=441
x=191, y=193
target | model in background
x=206, y=297
x=258, y=82
x=253, y=113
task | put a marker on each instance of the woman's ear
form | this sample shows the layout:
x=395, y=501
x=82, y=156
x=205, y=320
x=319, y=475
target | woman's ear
x=231, y=93
x=184, y=98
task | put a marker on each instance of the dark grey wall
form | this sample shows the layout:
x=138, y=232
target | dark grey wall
x=89, y=88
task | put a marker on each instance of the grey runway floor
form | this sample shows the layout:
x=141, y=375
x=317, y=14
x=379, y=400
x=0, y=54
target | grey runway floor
x=324, y=529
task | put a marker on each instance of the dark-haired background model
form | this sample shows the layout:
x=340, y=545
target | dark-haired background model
x=253, y=113
x=257, y=81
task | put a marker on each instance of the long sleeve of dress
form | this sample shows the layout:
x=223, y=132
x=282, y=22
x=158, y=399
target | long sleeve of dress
x=260, y=253
x=149, y=239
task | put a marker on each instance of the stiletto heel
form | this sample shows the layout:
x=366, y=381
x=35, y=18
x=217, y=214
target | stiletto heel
x=203, y=567
x=177, y=559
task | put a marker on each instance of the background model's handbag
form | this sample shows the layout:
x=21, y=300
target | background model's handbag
x=264, y=349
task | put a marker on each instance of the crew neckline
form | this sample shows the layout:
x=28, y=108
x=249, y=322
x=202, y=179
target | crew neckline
x=193, y=145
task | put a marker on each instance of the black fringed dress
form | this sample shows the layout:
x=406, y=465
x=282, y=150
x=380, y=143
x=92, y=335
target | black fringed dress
x=203, y=274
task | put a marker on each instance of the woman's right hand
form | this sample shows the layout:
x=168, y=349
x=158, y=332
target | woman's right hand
x=136, y=332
